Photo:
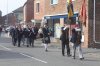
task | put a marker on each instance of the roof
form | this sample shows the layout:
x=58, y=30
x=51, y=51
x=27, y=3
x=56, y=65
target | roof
x=20, y=9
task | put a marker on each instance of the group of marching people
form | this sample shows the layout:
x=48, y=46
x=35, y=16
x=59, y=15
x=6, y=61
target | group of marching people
x=29, y=33
x=74, y=39
x=25, y=34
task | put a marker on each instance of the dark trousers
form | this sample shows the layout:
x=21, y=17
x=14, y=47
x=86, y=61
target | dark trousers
x=28, y=41
x=14, y=41
x=0, y=34
x=31, y=42
x=67, y=48
x=19, y=41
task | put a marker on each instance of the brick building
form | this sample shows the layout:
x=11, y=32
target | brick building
x=94, y=23
x=55, y=12
x=9, y=20
x=28, y=10
x=39, y=9
x=13, y=18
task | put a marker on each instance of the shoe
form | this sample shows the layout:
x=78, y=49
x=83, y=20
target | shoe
x=81, y=58
x=32, y=45
x=18, y=46
x=69, y=55
x=46, y=50
x=73, y=57
x=27, y=45
x=63, y=54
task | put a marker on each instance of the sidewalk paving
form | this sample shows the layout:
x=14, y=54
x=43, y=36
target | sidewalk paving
x=88, y=52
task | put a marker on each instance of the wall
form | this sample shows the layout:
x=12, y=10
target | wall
x=28, y=11
x=39, y=15
x=92, y=42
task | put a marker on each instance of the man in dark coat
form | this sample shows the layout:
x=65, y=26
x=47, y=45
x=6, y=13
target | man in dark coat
x=35, y=31
x=13, y=33
x=31, y=37
x=19, y=35
x=65, y=41
x=26, y=32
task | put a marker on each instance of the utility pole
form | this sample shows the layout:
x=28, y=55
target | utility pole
x=6, y=20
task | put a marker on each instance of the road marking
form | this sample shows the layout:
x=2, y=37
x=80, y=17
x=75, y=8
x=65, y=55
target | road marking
x=5, y=47
x=33, y=58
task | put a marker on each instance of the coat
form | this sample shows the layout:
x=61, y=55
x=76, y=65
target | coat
x=46, y=35
x=31, y=34
x=65, y=36
x=76, y=37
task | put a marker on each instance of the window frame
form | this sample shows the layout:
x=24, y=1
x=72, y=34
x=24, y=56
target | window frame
x=37, y=7
x=52, y=2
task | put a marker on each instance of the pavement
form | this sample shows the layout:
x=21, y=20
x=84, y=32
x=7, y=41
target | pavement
x=88, y=53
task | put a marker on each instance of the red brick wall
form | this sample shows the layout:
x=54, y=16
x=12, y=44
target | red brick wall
x=55, y=9
x=61, y=7
x=29, y=11
x=11, y=19
x=39, y=15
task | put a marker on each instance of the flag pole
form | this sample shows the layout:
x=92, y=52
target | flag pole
x=69, y=26
x=70, y=13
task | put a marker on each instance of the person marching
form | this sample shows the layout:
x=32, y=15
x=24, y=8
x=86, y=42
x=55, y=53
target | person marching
x=26, y=31
x=13, y=33
x=35, y=31
x=31, y=36
x=76, y=41
x=19, y=35
x=46, y=36
x=65, y=40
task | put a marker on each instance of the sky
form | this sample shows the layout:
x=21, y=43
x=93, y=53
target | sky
x=7, y=6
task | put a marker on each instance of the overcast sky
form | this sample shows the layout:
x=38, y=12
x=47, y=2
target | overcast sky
x=12, y=5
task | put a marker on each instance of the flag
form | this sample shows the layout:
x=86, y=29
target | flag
x=70, y=9
x=82, y=15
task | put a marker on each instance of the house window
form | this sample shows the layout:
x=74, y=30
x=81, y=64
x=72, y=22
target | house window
x=54, y=2
x=72, y=0
x=37, y=7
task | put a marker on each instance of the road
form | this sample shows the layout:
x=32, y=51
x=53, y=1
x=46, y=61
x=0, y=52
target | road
x=28, y=56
